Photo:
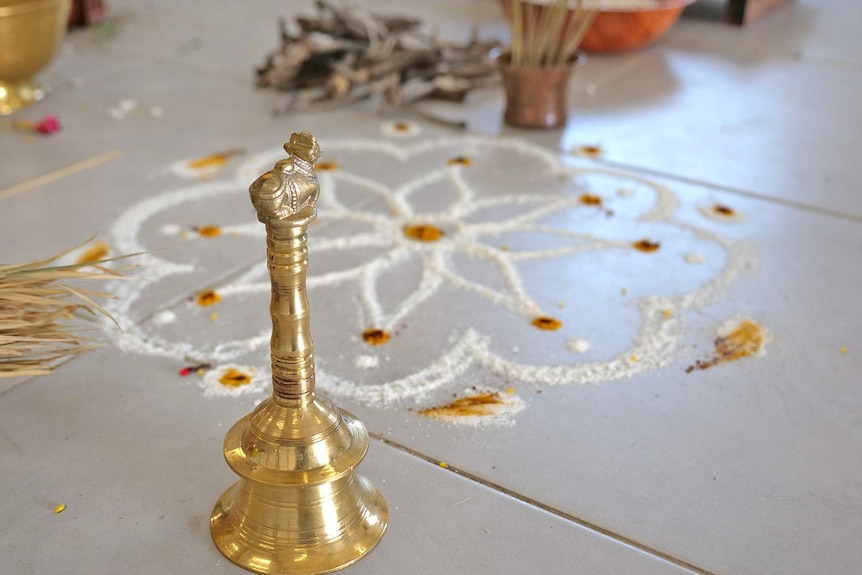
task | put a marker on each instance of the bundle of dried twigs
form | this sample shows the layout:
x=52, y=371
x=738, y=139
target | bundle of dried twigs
x=38, y=309
x=547, y=33
x=341, y=56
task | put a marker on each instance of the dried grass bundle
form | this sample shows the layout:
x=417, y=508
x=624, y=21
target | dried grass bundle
x=547, y=33
x=38, y=309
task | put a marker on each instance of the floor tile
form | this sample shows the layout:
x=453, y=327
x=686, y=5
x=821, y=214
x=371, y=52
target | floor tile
x=136, y=458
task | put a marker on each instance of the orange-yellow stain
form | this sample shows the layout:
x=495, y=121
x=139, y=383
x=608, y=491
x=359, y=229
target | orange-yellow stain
x=592, y=151
x=667, y=313
x=217, y=160
x=326, y=166
x=234, y=378
x=95, y=253
x=723, y=210
x=547, y=323
x=402, y=127
x=423, y=233
x=510, y=390
x=843, y=350
x=208, y=298
x=375, y=336
x=209, y=231
x=483, y=404
x=460, y=161
x=646, y=246
x=745, y=340
x=590, y=200
x=444, y=465
x=60, y=508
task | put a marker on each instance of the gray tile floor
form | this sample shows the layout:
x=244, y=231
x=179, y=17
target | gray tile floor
x=749, y=467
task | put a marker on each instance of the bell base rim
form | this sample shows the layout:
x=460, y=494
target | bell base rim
x=19, y=94
x=228, y=539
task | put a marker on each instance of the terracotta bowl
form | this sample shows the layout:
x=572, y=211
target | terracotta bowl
x=621, y=30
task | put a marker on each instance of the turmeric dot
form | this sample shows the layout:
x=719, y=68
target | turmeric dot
x=633, y=358
x=510, y=390
x=460, y=161
x=668, y=313
x=547, y=323
x=213, y=316
x=375, y=336
x=444, y=465
x=326, y=166
x=590, y=200
x=423, y=233
x=646, y=246
x=95, y=253
x=723, y=210
x=844, y=349
x=217, y=160
x=208, y=298
x=591, y=151
x=209, y=231
x=60, y=508
x=561, y=304
x=504, y=248
x=234, y=378
x=402, y=127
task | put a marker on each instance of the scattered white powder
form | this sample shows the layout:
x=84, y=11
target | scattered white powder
x=695, y=258
x=577, y=345
x=164, y=317
x=171, y=229
x=366, y=361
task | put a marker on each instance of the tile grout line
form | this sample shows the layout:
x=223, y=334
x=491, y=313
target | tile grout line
x=619, y=538
x=735, y=191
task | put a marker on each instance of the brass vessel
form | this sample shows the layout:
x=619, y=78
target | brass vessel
x=30, y=33
x=299, y=507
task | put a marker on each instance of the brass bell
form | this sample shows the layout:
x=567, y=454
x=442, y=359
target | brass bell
x=299, y=506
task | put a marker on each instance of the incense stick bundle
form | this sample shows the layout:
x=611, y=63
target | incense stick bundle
x=547, y=34
x=38, y=313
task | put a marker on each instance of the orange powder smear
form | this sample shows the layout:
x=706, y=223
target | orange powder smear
x=482, y=405
x=723, y=210
x=460, y=161
x=547, y=323
x=209, y=231
x=592, y=151
x=234, y=378
x=325, y=166
x=95, y=253
x=590, y=200
x=423, y=233
x=646, y=246
x=208, y=298
x=745, y=340
x=216, y=160
x=375, y=336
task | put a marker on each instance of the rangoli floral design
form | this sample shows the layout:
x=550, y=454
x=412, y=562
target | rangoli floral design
x=438, y=260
